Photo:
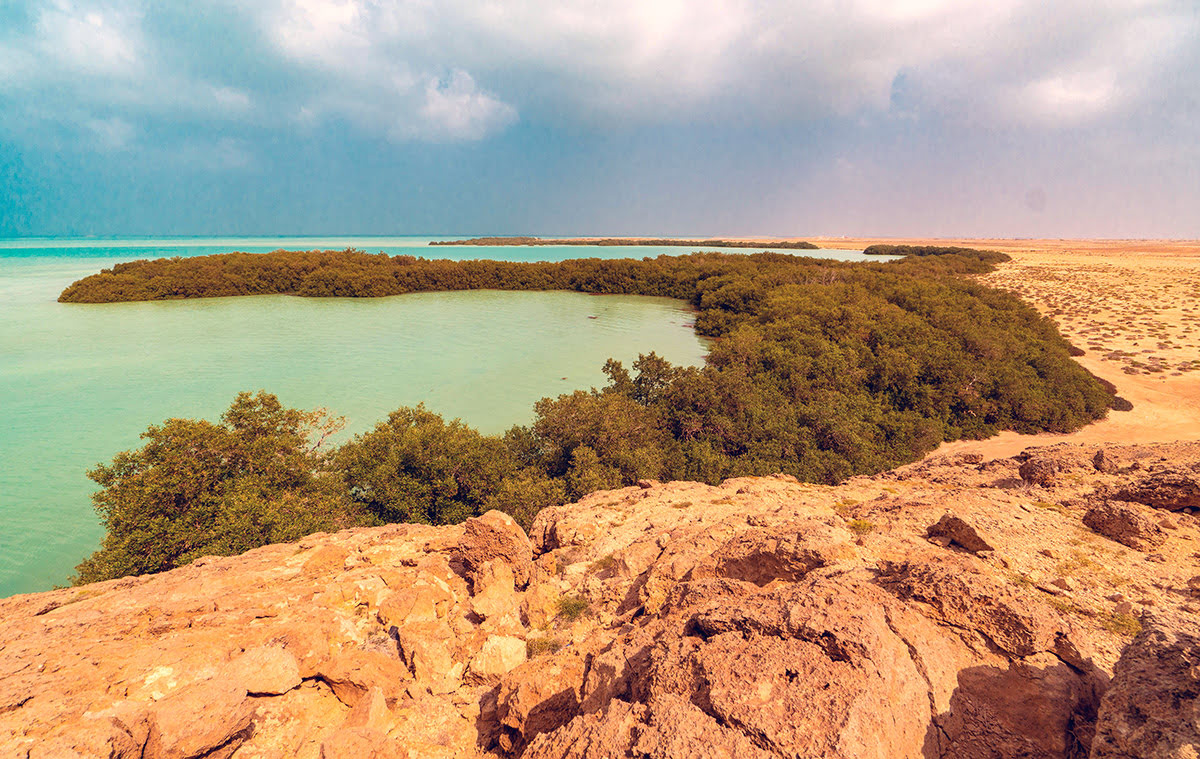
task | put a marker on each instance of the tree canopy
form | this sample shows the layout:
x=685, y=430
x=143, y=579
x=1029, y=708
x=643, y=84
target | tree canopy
x=821, y=370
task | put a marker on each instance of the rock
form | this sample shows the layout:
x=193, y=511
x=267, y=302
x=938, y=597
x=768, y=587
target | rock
x=325, y=559
x=955, y=530
x=538, y=697
x=265, y=670
x=417, y=603
x=1152, y=706
x=371, y=711
x=360, y=743
x=353, y=673
x=499, y=655
x=198, y=719
x=731, y=620
x=495, y=535
x=495, y=595
x=1063, y=583
x=1173, y=489
x=759, y=556
x=1041, y=470
x=1126, y=524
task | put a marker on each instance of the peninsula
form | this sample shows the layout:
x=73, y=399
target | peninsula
x=659, y=242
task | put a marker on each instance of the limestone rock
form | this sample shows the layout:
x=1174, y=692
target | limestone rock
x=739, y=619
x=538, y=697
x=495, y=535
x=761, y=556
x=1041, y=470
x=499, y=655
x=265, y=670
x=958, y=532
x=1152, y=707
x=1170, y=488
x=1126, y=524
x=360, y=743
x=199, y=719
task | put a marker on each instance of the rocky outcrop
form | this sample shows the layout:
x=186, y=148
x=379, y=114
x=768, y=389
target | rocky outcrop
x=1170, y=487
x=953, y=530
x=944, y=609
x=1126, y=524
x=1152, y=707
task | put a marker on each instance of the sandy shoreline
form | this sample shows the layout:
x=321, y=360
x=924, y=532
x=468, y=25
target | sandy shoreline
x=1134, y=307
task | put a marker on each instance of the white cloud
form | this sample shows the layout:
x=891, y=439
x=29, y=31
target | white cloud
x=111, y=134
x=91, y=39
x=457, y=110
x=462, y=69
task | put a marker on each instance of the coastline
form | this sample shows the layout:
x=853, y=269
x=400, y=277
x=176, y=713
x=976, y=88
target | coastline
x=1134, y=308
x=1132, y=305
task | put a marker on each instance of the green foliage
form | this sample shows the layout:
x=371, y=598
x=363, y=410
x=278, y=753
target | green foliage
x=822, y=370
x=991, y=256
x=415, y=467
x=524, y=493
x=197, y=488
x=861, y=526
x=658, y=242
x=571, y=608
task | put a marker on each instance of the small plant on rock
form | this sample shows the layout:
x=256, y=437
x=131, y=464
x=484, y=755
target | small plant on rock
x=861, y=526
x=572, y=608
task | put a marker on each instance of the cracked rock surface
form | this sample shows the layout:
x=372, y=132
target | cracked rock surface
x=952, y=608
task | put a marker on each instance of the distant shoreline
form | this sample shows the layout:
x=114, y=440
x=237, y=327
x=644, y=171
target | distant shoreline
x=630, y=241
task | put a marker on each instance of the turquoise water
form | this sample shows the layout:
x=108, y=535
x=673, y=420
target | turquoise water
x=79, y=383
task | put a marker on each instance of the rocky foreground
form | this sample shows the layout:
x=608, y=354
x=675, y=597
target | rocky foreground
x=1039, y=606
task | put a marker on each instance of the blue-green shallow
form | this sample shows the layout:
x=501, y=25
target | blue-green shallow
x=80, y=382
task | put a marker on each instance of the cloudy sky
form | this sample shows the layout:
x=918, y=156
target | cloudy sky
x=696, y=117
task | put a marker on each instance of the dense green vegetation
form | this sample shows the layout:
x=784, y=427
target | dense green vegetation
x=930, y=250
x=659, y=242
x=822, y=370
x=197, y=489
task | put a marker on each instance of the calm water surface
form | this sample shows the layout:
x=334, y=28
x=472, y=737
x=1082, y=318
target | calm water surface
x=79, y=383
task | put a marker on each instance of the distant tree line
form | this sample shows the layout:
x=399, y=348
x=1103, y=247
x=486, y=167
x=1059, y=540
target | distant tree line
x=821, y=369
x=932, y=250
x=662, y=242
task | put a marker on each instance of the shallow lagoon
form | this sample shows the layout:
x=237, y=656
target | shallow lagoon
x=80, y=382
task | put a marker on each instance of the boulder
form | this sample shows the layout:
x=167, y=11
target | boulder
x=538, y=697
x=265, y=670
x=1103, y=462
x=1152, y=706
x=958, y=532
x=761, y=556
x=495, y=535
x=499, y=655
x=1126, y=524
x=1170, y=488
x=199, y=719
x=1041, y=470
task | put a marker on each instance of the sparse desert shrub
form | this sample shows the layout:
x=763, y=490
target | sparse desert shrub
x=571, y=608
x=540, y=646
x=861, y=526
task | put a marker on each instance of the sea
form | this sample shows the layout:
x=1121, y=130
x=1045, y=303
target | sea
x=80, y=382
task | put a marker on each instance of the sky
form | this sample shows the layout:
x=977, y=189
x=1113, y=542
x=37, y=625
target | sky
x=1010, y=118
